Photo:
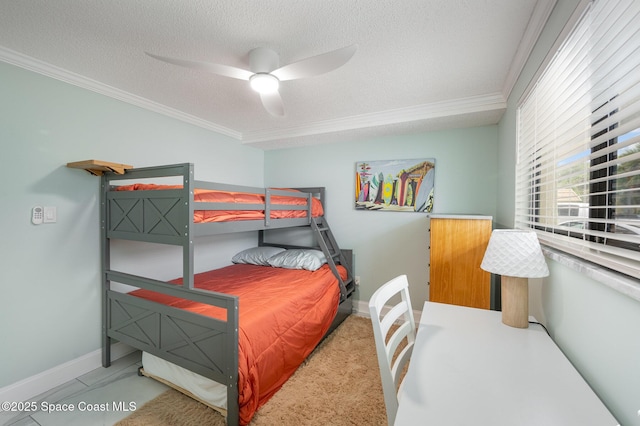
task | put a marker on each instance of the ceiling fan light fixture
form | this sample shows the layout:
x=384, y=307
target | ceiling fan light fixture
x=264, y=83
x=265, y=73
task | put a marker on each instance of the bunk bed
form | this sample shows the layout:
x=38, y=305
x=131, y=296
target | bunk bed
x=212, y=325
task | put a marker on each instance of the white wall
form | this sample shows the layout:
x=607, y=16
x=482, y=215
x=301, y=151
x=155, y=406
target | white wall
x=50, y=310
x=387, y=244
x=597, y=327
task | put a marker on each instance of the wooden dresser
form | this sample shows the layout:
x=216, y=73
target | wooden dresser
x=457, y=246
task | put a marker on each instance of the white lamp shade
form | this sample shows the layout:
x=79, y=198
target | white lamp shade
x=514, y=253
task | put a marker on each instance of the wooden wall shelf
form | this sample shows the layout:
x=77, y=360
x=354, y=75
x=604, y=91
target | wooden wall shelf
x=97, y=167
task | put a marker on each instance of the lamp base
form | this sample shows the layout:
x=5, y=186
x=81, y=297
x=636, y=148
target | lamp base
x=515, y=301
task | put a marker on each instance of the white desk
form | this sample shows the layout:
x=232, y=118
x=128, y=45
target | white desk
x=467, y=368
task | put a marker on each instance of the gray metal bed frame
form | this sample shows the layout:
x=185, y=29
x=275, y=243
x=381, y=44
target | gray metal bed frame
x=201, y=344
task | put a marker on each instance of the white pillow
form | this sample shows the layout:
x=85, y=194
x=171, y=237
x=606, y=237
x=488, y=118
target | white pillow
x=308, y=259
x=256, y=255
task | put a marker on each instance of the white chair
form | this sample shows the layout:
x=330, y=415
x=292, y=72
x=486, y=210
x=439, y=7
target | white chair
x=395, y=292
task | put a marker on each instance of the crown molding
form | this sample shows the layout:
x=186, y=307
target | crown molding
x=422, y=112
x=490, y=102
x=539, y=17
x=31, y=64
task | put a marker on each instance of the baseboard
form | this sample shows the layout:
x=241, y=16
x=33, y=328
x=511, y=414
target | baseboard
x=361, y=308
x=58, y=375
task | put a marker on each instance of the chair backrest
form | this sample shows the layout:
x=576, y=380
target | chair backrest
x=395, y=292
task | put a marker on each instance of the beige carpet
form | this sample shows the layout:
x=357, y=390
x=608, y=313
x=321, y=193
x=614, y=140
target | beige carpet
x=339, y=384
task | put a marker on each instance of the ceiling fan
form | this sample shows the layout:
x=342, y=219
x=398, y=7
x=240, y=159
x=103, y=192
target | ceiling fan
x=265, y=72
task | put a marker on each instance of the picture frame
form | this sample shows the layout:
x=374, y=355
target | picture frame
x=395, y=185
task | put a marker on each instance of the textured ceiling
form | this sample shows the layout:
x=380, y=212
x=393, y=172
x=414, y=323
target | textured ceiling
x=420, y=65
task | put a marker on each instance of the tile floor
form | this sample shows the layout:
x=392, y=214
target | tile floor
x=101, y=397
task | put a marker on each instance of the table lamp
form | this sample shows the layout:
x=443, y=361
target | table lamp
x=516, y=255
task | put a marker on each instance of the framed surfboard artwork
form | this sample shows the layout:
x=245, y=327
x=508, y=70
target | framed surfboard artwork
x=395, y=185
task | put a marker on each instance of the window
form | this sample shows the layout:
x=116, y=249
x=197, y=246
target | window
x=578, y=161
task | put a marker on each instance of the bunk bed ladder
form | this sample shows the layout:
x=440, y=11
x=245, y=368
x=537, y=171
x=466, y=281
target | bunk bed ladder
x=333, y=253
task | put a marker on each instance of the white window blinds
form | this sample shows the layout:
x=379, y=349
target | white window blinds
x=578, y=161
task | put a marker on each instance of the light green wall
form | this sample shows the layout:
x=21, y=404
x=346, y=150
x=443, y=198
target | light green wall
x=50, y=302
x=596, y=327
x=387, y=244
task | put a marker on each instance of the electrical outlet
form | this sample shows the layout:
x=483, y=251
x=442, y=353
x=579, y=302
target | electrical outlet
x=357, y=280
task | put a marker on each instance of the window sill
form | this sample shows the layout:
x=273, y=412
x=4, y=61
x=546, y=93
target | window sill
x=617, y=281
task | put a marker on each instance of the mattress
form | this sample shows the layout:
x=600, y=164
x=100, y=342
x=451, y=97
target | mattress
x=238, y=199
x=283, y=315
x=199, y=387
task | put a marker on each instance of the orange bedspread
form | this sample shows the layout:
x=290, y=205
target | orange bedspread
x=283, y=315
x=214, y=196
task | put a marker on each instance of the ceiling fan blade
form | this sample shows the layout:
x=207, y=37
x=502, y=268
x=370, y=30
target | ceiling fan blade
x=223, y=70
x=316, y=65
x=272, y=102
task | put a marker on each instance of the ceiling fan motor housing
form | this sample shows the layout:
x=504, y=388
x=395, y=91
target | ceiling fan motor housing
x=263, y=60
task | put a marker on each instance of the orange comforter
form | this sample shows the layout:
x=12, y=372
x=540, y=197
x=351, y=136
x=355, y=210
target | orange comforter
x=283, y=314
x=214, y=196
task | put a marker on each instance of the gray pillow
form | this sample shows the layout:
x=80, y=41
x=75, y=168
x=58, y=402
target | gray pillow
x=308, y=259
x=256, y=255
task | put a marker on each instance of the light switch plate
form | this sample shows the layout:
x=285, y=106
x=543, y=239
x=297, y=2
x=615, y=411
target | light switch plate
x=50, y=214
